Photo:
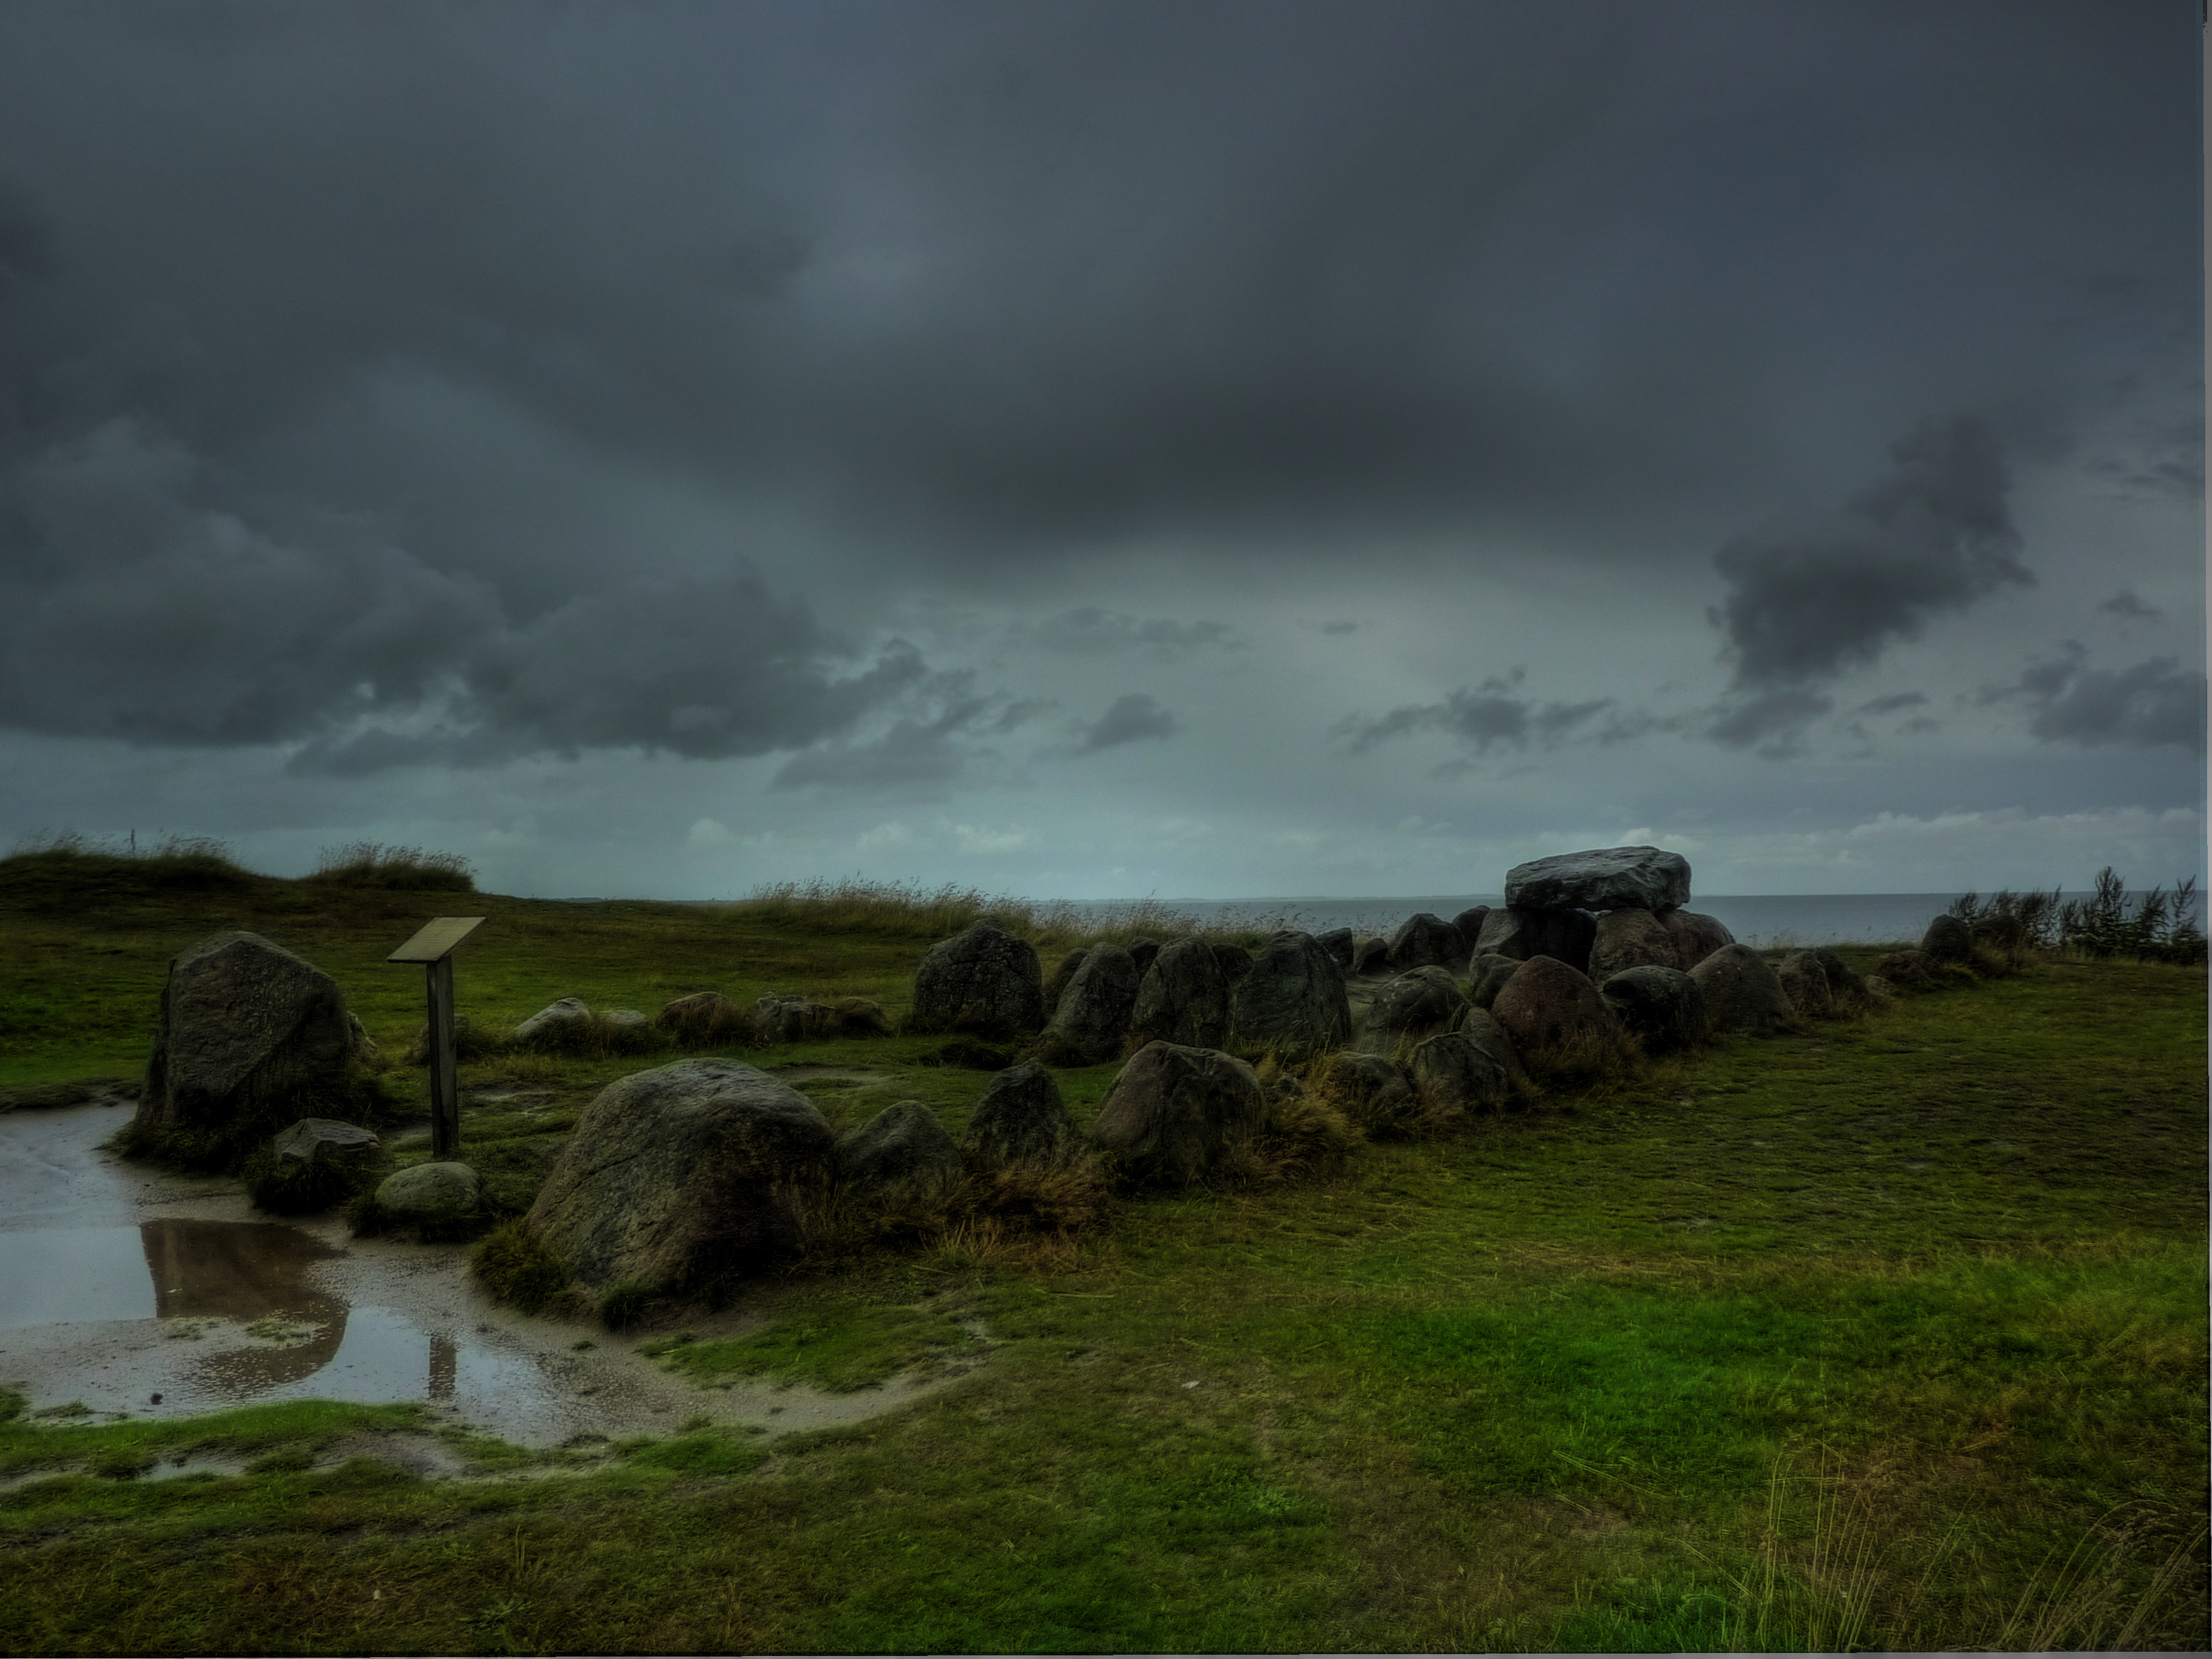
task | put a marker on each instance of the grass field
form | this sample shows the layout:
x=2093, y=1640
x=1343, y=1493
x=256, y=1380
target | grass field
x=1889, y=1333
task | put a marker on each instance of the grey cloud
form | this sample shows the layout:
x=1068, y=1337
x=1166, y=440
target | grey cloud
x=1810, y=601
x=1893, y=702
x=2126, y=603
x=129, y=610
x=2153, y=704
x=1131, y=718
x=1482, y=718
x=919, y=750
x=1092, y=629
x=1772, y=722
x=1339, y=627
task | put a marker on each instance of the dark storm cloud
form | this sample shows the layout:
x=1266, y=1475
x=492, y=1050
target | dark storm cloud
x=1891, y=704
x=918, y=749
x=2154, y=703
x=1130, y=719
x=1481, y=719
x=967, y=291
x=2128, y=603
x=1809, y=601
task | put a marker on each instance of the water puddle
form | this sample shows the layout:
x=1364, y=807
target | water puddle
x=136, y=1292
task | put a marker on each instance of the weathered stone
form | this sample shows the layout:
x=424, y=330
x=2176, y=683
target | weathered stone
x=1411, y=1006
x=1235, y=961
x=677, y=1174
x=968, y=1057
x=1425, y=941
x=986, y=982
x=1741, y=991
x=1451, y=1077
x=1696, y=937
x=902, y=1146
x=1369, y=1091
x=1948, y=939
x=1480, y=1027
x=1563, y=935
x=1293, y=1002
x=1339, y=943
x=2000, y=931
x=1469, y=923
x=1805, y=982
x=324, y=1140
x=1370, y=957
x=1183, y=997
x=1092, y=1020
x=555, y=1025
x=1176, y=1112
x=1143, y=952
x=1631, y=938
x=1662, y=1006
x=1551, y=1009
x=1906, y=968
x=627, y=1019
x=248, y=1035
x=1486, y=976
x=1021, y=1119
x=797, y=1019
x=1056, y=986
x=430, y=1194
x=706, y=1016
x=1603, y=878
x=1879, y=989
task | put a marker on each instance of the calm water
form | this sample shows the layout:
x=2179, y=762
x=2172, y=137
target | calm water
x=1769, y=919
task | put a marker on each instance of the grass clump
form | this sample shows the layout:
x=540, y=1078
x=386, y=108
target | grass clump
x=372, y=864
x=511, y=1263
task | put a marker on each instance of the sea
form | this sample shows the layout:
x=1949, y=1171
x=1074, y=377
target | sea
x=1756, y=918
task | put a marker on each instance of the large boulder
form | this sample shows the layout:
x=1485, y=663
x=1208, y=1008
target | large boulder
x=1480, y=1027
x=1742, y=992
x=1021, y=1119
x=326, y=1141
x=1469, y=923
x=1805, y=982
x=1370, y=957
x=1092, y=1020
x=1368, y=1090
x=1551, y=1011
x=1843, y=984
x=985, y=982
x=800, y=1019
x=1235, y=961
x=1563, y=935
x=1183, y=997
x=558, y=1026
x=901, y=1148
x=1913, y=968
x=1056, y=986
x=1604, y=878
x=1631, y=938
x=1696, y=937
x=248, y=1038
x=1176, y=1112
x=1662, y=1005
x=1293, y=1001
x=1339, y=943
x=1411, y=1006
x=1423, y=940
x=1487, y=975
x=1452, y=1077
x=1948, y=939
x=676, y=1176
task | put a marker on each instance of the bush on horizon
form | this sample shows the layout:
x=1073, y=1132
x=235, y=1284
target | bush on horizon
x=372, y=864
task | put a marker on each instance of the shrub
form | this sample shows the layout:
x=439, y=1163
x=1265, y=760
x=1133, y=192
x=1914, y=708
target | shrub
x=2161, y=927
x=371, y=864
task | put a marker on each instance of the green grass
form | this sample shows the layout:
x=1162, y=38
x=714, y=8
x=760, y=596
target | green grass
x=1889, y=1333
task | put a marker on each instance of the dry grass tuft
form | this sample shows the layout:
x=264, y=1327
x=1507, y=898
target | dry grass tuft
x=372, y=864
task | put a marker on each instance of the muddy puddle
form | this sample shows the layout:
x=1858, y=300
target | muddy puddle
x=130, y=1289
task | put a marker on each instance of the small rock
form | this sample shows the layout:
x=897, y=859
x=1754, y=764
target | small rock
x=1451, y=1078
x=324, y=1138
x=553, y=1025
x=1176, y=1112
x=1021, y=1119
x=1741, y=991
x=430, y=1193
x=1805, y=983
x=1369, y=1091
x=902, y=1146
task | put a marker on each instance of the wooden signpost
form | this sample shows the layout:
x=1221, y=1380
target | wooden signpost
x=434, y=947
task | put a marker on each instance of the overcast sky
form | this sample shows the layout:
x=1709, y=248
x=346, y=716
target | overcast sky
x=1198, y=449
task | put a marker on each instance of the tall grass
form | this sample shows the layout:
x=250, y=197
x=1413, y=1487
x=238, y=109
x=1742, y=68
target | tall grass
x=175, y=861
x=372, y=864
x=2157, y=926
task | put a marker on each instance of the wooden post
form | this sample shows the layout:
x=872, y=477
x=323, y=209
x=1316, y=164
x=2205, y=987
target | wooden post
x=445, y=1079
x=434, y=947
